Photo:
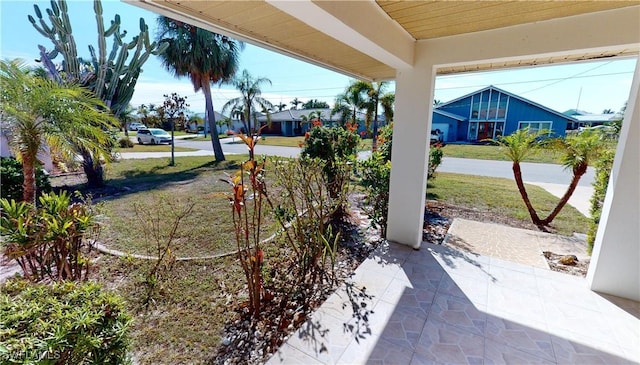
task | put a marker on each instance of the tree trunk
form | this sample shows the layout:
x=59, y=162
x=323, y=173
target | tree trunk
x=213, y=129
x=577, y=174
x=29, y=180
x=93, y=170
x=374, y=141
x=517, y=173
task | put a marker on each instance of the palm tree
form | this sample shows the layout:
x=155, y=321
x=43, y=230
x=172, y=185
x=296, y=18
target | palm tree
x=205, y=57
x=249, y=98
x=578, y=151
x=517, y=146
x=38, y=113
x=387, y=101
x=280, y=106
x=373, y=92
x=348, y=103
x=295, y=102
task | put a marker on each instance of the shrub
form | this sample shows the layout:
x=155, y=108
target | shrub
x=337, y=147
x=12, y=179
x=435, y=159
x=63, y=323
x=125, y=142
x=603, y=171
x=47, y=241
x=375, y=173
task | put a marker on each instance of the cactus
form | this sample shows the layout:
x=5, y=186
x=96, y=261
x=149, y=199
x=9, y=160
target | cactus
x=113, y=79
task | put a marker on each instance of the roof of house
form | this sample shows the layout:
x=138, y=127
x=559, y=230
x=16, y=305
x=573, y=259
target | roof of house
x=450, y=115
x=533, y=103
x=598, y=117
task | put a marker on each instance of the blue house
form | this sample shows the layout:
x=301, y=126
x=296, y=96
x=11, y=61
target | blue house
x=491, y=112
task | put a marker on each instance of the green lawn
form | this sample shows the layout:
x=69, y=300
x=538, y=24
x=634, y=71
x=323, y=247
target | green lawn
x=501, y=196
x=488, y=152
x=186, y=320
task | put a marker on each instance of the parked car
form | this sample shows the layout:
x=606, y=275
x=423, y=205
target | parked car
x=135, y=126
x=436, y=136
x=153, y=136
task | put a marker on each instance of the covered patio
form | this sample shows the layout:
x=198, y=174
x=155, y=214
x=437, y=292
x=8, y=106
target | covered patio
x=412, y=43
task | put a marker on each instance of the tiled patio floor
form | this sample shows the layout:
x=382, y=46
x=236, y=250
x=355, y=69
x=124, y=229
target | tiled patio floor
x=441, y=306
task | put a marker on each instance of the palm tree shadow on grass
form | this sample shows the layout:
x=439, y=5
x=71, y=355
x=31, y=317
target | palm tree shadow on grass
x=133, y=181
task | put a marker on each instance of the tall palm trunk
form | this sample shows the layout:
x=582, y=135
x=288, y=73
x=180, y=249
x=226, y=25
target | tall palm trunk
x=517, y=173
x=577, y=174
x=374, y=141
x=29, y=180
x=215, y=140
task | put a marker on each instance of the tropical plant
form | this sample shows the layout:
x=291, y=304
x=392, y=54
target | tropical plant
x=295, y=102
x=386, y=101
x=578, y=152
x=40, y=113
x=517, y=146
x=47, y=241
x=62, y=323
x=603, y=171
x=249, y=100
x=352, y=100
x=204, y=57
x=110, y=75
x=249, y=195
x=315, y=104
x=13, y=178
x=373, y=93
x=375, y=175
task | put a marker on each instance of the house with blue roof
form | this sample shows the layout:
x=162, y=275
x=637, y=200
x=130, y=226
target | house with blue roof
x=492, y=112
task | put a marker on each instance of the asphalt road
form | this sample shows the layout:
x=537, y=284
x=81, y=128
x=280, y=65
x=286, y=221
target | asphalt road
x=531, y=172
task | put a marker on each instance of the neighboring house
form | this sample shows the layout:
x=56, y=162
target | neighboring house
x=236, y=125
x=43, y=156
x=585, y=119
x=492, y=112
x=291, y=122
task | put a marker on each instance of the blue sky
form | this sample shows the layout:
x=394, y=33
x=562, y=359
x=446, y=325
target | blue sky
x=590, y=86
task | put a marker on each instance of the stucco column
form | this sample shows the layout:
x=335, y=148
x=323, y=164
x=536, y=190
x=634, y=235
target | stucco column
x=409, y=154
x=615, y=263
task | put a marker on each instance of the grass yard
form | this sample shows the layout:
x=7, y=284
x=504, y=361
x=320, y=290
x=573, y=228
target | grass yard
x=153, y=148
x=501, y=196
x=185, y=320
x=488, y=152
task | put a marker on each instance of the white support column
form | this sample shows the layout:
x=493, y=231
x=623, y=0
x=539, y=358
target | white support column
x=409, y=154
x=615, y=263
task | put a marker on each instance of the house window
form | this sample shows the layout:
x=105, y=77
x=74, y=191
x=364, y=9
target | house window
x=534, y=127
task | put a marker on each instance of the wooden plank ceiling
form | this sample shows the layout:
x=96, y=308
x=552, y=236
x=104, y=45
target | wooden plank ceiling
x=261, y=23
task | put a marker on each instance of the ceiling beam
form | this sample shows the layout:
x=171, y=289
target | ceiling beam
x=362, y=25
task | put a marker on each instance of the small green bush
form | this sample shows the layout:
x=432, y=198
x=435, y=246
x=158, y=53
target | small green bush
x=603, y=171
x=12, y=179
x=62, y=323
x=125, y=142
x=375, y=173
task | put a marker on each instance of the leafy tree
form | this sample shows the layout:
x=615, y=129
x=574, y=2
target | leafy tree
x=37, y=113
x=315, y=104
x=174, y=107
x=110, y=74
x=205, y=57
x=250, y=98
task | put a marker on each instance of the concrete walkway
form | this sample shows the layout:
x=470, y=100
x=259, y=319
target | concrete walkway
x=440, y=305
